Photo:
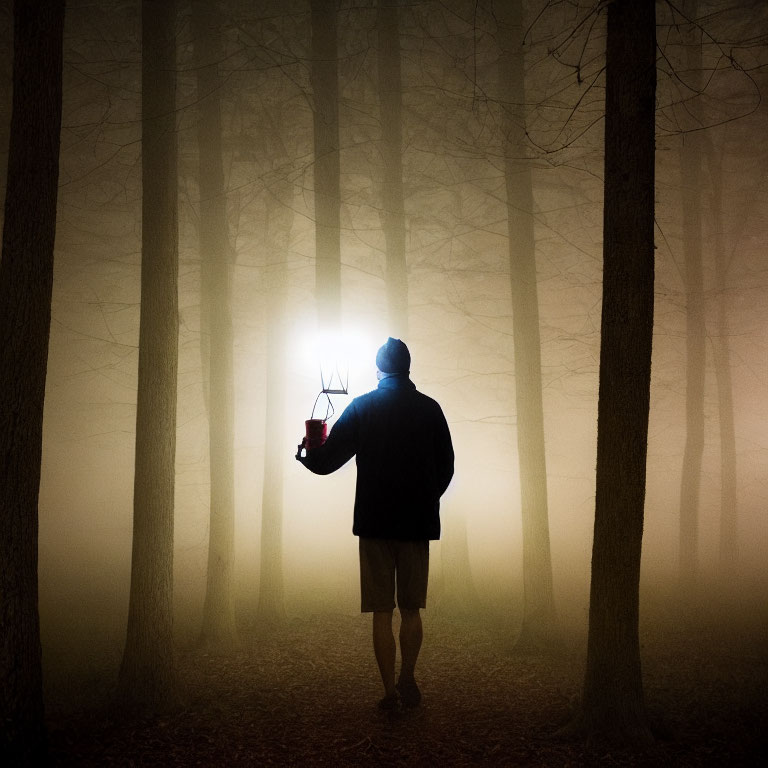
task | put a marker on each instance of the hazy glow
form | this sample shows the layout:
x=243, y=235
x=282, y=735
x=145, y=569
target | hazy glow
x=459, y=320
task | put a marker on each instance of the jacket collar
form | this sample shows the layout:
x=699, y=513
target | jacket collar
x=396, y=382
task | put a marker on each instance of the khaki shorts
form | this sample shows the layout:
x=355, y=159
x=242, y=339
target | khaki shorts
x=384, y=562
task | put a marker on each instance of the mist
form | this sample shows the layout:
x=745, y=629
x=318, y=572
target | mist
x=705, y=531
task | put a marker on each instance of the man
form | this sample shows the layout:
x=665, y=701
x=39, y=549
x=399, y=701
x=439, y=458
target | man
x=404, y=457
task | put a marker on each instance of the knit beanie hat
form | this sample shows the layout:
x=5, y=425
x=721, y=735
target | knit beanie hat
x=393, y=357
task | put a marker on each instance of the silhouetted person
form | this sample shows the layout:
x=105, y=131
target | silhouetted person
x=404, y=457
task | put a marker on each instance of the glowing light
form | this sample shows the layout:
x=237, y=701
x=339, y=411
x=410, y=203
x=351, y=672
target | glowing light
x=341, y=358
x=334, y=364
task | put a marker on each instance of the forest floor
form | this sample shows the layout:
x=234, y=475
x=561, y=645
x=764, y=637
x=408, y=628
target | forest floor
x=306, y=695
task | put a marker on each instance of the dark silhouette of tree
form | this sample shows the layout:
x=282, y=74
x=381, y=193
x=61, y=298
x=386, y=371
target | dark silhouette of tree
x=454, y=588
x=325, y=99
x=612, y=704
x=26, y=282
x=218, y=630
x=691, y=177
x=729, y=516
x=539, y=629
x=147, y=680
x=6, y=92
x=391, y=147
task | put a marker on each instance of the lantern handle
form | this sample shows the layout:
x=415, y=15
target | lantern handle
x=329, y=409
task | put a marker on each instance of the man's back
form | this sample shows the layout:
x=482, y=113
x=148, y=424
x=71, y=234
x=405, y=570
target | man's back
x=404, y=460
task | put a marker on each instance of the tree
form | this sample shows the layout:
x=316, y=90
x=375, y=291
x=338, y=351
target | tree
x=218, y=628
x=6, y=92
x=26, y=284
x=539, y=628
x=278, y=220
x=325, y=97
x=271, y=609
x=147, y=679
x=690, y=172
x=390, y=116
x=729, y=518
x=612, y=703
x=455, y=587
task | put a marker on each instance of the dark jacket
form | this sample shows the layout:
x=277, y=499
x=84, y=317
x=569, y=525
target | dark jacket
x=404, y=460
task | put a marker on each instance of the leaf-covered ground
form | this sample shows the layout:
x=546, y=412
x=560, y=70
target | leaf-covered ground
x=306, y=694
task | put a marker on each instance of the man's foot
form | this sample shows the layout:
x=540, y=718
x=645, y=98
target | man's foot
x=389, y=703
x=410, y=694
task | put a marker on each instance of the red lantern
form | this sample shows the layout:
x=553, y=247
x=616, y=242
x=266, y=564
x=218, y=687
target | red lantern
x=316, y=433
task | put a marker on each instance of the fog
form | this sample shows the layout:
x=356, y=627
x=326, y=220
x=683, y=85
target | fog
x=459, y=316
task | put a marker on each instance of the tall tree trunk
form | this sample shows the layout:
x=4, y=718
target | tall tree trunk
x=613, y=703
x=6, y=94
x=147, y=680
x=729, y=518
x=690, y=172
x=218, y=630
x=456, y=588
x=391, y=147
x=271, y=609
x=26, y=283
x=325, y=91
x=539, y=627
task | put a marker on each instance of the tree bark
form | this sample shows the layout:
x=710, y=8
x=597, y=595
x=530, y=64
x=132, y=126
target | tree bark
x=690, y=483
x=218, y=629
x=6, y=95
x=455, y=589
x=26, y=284
x=271, y=609
x=539, y=629
x=391, y=148
x=729, y=514
x=147, y=680
x=325, y=91
x=613, y=705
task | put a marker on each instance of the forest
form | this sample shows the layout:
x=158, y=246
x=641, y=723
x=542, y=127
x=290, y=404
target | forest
x=561, y=206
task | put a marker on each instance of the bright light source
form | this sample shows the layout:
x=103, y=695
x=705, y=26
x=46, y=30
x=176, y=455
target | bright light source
x=336, y=354
x=333, y=354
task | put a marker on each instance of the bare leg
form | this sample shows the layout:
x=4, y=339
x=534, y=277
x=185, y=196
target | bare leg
x=411, y=634
x=384, y=648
